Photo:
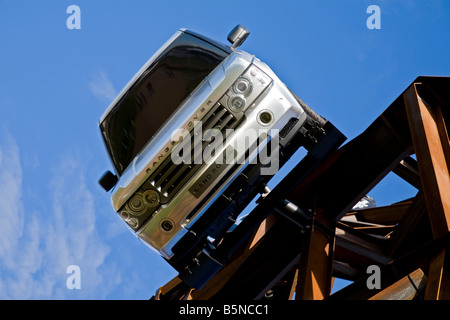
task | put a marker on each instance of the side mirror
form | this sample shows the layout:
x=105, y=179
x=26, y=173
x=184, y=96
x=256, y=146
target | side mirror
x=108, y=180
x=237, y=36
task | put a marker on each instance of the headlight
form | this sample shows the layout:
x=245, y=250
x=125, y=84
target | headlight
x=236, y=104
x=242, y=86
x=151, y=198
x=124, y=215
x=136, y=204
x=132, y=222
x=139, y=208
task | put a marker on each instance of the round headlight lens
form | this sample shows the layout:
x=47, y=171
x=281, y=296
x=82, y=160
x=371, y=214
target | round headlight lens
x=151, y=198
x=124, y=215
x=242, y=86
x=136, y=204
x=132, y=222
x=237, y=104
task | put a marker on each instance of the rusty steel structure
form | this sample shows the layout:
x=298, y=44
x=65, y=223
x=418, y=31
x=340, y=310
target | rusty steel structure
x=409, y=241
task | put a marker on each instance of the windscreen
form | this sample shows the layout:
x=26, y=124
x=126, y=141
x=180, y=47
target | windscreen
x=156, y=95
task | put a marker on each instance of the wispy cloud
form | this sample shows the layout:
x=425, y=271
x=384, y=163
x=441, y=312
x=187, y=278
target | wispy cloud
x=102, y=87
x=11, y=210
x=56, y=222
x=36, y=247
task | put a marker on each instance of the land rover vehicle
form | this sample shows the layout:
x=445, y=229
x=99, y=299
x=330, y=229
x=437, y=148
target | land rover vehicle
x=192, y=93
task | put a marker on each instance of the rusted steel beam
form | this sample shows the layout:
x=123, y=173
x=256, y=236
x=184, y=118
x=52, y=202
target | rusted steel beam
x=257, y=268
x=386, y=215
x=351, y=172
x=431, y=145
x=407, y=225
x=409, y=171
x=333, y=187
x=316, y=266
x=285, y=288
x=407, y=288
x=268, y=262
x=358, y=251
x=215, y=285
x=394, y=271
x=175, y=289
x=438, y=286
x=344, y=270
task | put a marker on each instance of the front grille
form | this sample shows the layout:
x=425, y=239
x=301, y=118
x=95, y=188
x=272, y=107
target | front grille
x=169, y=177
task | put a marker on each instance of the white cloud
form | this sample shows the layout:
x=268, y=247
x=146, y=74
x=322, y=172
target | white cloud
x=49, y=224
x=73, y=236
x=11, y=211
x=102, y=88
x=36, y=247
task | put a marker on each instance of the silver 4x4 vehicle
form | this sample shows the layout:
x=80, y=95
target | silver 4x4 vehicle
x=194, y=99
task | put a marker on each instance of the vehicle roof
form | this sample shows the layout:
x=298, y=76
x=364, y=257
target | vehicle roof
x=154, y=57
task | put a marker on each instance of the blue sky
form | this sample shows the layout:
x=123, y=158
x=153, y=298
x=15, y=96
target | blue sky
x=55, y=83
